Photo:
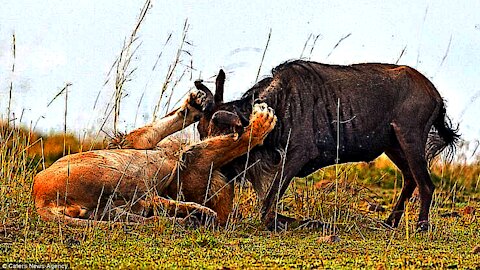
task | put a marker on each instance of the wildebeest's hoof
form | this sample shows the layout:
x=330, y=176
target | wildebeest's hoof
x=276, y=222
x=424, y=226
x=277, y=226
x=198, y=220
x=389, y=223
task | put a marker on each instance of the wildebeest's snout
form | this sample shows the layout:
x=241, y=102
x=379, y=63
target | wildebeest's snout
x=225, y=122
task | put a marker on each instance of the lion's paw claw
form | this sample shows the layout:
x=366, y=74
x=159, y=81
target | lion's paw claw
x=198, y=99
x=263, y=120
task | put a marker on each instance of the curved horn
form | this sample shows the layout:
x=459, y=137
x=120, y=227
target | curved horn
x=200, y=86
x=220, y=82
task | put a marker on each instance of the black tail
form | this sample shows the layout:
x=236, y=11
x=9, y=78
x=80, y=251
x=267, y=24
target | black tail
x=441, y=136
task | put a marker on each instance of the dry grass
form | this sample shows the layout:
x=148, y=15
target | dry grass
x=359, y=241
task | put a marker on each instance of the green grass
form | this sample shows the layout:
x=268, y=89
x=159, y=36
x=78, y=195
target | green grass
x=245, y=243
x=448, y=246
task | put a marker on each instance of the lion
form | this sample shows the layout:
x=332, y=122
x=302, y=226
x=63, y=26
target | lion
x=132, y=183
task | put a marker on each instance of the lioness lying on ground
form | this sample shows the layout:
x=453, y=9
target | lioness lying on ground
x=131, y=184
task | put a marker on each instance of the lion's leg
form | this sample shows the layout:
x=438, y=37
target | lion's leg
x=220, y=196
x=49, y=215
x=201, y=181
x=222, y=149
x=175, y=208
x=79, y=216
x=148, y=136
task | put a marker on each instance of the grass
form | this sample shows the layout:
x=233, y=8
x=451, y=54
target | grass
x=363, y=243
x=169, y=248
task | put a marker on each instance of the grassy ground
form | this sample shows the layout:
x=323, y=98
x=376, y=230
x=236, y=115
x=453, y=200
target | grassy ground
x=341, y=195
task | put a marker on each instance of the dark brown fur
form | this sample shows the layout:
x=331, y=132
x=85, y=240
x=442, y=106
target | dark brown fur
x=383, y=108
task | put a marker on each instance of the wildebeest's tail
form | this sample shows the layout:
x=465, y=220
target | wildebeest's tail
x=442, y=136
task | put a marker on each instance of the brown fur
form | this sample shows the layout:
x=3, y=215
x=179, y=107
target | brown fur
x=92, y=185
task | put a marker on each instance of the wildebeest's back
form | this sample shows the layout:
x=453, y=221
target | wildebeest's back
x=305, y=96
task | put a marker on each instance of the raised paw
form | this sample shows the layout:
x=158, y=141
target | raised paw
x=262, y=121
x=119, y=141
x=199, y=100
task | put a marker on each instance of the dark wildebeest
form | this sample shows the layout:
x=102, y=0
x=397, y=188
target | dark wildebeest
x=383, y=108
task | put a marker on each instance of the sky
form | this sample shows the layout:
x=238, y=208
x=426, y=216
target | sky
x=77, y=42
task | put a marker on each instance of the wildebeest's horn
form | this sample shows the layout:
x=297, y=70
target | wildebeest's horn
x=219, y=87
x=200, y=86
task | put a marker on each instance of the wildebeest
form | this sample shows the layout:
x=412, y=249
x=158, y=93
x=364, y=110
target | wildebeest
x=333, y=113
x=133, y=182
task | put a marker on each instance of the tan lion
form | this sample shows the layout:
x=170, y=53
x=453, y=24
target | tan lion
x=132, y=184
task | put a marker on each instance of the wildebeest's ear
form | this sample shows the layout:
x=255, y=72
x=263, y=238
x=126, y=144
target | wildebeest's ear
x=200, y=86
x=219, y=87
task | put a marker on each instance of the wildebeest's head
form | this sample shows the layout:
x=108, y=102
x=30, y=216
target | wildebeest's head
x=218, y=117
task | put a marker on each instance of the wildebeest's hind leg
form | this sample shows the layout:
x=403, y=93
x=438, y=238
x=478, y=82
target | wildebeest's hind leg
x=398, y=157
x=413, y=145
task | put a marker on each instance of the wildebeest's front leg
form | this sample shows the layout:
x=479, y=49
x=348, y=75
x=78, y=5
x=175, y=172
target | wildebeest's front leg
x=275, y=221
x=148, y=136
x=202, y=161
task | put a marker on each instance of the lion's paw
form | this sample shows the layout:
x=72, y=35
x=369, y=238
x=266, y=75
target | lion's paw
x=119, y=141
x=262, y=120
x=198, y=99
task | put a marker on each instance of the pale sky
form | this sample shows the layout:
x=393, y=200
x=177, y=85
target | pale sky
x=77, y=42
